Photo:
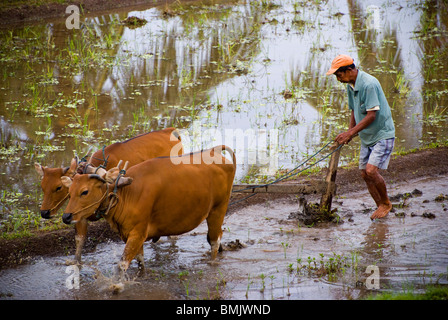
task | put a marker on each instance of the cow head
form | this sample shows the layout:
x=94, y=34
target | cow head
x=55, y=192
x=88, y=193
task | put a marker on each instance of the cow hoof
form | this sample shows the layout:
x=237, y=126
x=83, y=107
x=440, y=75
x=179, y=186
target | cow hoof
x=213, y=263
x=116, y=288
x=70, y=262
x=141, y=272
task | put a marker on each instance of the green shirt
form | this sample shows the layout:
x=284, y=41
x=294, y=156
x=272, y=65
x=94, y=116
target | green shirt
x=368, y=94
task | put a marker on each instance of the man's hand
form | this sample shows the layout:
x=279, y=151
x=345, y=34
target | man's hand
x=344, y=138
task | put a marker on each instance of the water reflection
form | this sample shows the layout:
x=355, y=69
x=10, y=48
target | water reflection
x=376, y=240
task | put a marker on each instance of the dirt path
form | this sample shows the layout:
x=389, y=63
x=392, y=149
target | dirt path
x=426, y=163
x=37, y=11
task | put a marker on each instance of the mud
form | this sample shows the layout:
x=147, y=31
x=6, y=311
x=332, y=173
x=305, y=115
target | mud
x=268, y=254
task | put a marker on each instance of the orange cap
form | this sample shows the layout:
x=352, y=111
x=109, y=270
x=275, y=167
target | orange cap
x=341, y=60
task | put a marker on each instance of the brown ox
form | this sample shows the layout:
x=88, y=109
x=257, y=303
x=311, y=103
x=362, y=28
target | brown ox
x=135, y=150
x=163, y=196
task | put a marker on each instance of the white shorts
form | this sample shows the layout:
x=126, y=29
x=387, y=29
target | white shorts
x=377, y=155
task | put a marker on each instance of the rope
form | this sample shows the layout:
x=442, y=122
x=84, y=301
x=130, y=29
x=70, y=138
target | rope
x=241, y=200
x=57, y=204
x=288, y=174
x=112, y=203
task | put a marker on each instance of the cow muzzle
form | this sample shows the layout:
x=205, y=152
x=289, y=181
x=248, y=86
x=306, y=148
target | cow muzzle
x=46, y=214
x=67, y=218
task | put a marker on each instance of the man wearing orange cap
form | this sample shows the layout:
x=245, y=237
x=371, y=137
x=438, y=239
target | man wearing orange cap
x=371, y=119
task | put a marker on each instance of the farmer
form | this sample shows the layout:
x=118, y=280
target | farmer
x=371, y=118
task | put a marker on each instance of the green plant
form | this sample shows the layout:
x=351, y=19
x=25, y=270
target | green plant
x=430, y=293
x=249, y=283
x=263, y=284
x=285, y=246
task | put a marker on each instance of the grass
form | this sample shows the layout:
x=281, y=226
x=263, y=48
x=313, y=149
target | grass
x=18, y=216
x=431, y=293
x=433, y=145
x=23, y=223
x=331, y=268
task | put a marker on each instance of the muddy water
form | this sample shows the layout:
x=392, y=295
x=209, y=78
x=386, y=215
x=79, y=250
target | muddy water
x=247, y=74
x=266, y=256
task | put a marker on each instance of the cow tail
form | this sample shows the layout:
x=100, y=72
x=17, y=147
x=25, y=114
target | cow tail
x=176, y=134
x=229, y=150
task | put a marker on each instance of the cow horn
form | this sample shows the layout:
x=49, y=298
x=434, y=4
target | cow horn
x=126, y=166
x=112, y=173
x=87, y=154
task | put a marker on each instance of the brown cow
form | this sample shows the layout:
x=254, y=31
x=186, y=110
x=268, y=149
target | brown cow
x=163, y=196
x=135, y=150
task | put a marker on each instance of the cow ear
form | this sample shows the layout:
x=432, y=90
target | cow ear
x=124, y=181
x=39, y=169
x=66, y=181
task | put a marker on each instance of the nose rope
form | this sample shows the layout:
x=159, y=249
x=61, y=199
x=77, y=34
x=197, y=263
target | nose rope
x=112, y=203
x=95, y=203
x=63, y=199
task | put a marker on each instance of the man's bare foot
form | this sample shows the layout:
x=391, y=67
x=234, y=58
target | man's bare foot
x=382, y=211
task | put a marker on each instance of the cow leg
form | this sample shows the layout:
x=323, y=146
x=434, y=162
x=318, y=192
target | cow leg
x=80, y=238
x=141, y=262
x=134, y=247
x=214, y=222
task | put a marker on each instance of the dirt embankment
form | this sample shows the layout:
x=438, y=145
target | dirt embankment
x=21, y=12
x=425, y=163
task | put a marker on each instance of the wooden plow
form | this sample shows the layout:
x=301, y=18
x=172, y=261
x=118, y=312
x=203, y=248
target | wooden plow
x=325, y=187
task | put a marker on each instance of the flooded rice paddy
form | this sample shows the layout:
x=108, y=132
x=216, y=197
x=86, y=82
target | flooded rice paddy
x=268, y=255
x=250, y=74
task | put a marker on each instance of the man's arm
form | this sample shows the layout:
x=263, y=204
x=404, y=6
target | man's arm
x=352, y=120
x=354, y=128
